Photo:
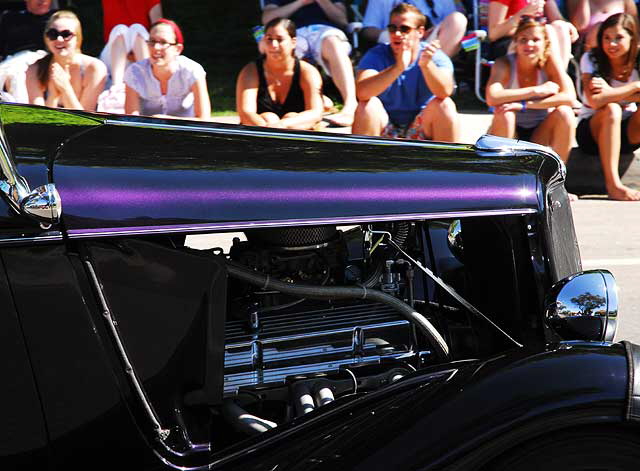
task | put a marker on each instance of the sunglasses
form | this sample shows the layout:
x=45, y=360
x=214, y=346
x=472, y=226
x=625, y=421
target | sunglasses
x=54, y=34
x=541, y=20
x=161, y=44
x=404, y=29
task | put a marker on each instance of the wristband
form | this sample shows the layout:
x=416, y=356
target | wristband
x=524, y=106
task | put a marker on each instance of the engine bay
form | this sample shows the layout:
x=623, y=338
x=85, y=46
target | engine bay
x=271, y=324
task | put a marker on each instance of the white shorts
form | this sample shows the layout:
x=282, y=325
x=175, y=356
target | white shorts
x=129, y=34
x=309, y=42
x=13, y=74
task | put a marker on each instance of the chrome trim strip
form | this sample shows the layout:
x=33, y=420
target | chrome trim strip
x=229, y=226
x=241, y=131
x=290, y=338
x=268, y=376
x=243, y=358
x=56, y=237
x=160, y=432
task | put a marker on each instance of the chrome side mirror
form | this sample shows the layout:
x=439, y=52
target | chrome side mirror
x=584, y=306
x=42, y=204
x=454, y=239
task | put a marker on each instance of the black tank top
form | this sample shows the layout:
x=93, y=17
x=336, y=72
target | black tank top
x=295, y=98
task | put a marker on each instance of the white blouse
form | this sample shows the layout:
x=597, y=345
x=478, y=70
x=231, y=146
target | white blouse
x=178, y=100
x=587, y=66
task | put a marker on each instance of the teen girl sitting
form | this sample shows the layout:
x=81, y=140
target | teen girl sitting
x=278, y=90
x=609, y=121
x=531, y=96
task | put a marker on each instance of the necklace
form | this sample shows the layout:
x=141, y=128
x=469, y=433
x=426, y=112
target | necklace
x=622, y=74
x=271, y=77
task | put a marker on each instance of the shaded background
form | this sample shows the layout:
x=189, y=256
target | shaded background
x=217, y=35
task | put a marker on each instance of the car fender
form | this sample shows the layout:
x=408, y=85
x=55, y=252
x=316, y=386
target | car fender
x=491, y=405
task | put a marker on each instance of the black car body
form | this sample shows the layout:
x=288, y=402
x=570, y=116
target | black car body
x=181, y=295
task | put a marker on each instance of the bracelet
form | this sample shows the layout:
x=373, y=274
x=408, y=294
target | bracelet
x=524, y=106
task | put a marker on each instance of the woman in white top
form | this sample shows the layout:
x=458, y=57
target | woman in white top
x=65, y=77
x=609, y=122
x=167, y=83
x=531, y=95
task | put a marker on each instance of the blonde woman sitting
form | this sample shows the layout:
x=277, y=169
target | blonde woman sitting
x=531, y=96
x=65, y=77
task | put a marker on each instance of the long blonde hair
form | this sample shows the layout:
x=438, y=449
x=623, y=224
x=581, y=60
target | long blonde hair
x=43, y=65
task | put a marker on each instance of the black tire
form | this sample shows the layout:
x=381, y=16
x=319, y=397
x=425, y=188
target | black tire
x=602, y=448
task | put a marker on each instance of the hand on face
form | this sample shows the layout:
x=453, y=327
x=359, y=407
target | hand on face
x=59, y=76
x=428, y=52
x=403, y=56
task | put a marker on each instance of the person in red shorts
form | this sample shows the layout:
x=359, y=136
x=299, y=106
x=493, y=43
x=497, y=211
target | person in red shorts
x=125, y=28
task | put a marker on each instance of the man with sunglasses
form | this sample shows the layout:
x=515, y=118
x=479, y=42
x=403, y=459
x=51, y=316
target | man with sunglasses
x=21, y=44
x=446, y=21
x=404, y=87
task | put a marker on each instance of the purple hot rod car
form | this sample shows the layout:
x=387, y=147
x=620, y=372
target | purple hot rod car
x=181, y=295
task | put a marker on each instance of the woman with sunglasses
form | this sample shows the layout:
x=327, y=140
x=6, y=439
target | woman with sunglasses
x=609, y=120
x=65, y=77
x=167, y=83
x=278, y=90
x=531, y=95
x=504, y=16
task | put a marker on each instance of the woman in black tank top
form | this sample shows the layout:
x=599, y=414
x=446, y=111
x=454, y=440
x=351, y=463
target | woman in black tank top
x=278, y=90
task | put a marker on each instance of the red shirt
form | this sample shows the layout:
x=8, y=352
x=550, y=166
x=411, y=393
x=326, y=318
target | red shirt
x=514, y=5
x=126, y=12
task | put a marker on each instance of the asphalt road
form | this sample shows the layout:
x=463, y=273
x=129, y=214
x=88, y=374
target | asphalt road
x=609, y=237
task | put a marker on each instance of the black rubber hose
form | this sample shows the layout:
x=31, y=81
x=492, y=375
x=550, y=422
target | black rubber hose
x=343, y=292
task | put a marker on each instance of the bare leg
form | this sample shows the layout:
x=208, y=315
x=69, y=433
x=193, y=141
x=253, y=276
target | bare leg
x=451, y=32
x=370, y=118
x=605, y=127
x=335, y=56
x=440, y=120
x=140, y=49
x=118, y=60
x=591, y=39
x=560, y=41
x=557, y=131
x=503, y=124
